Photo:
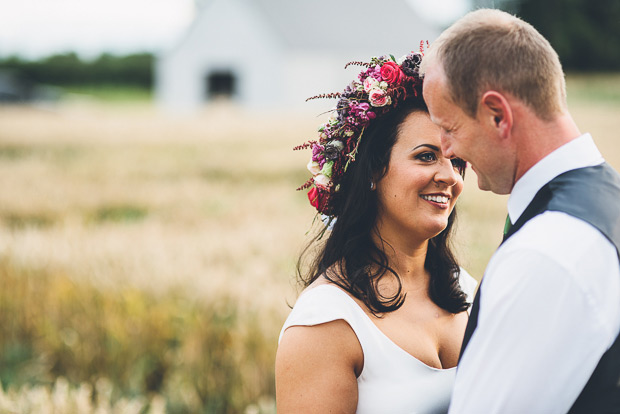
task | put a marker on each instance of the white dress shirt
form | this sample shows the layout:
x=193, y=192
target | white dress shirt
x=549, y=305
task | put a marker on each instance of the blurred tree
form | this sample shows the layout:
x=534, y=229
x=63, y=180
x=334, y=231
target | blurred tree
x=585, y=33
x=69, y=69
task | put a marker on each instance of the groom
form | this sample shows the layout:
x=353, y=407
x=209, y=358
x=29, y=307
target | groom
x=543, y=335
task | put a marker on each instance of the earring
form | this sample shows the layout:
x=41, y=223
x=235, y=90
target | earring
x=372, y=185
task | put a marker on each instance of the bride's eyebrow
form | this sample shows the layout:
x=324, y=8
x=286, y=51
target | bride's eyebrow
x=433, y=147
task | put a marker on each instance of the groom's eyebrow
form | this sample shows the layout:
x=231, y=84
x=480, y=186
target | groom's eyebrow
x=433, y=147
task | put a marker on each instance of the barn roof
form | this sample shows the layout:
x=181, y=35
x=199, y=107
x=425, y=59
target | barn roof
x=344, y=25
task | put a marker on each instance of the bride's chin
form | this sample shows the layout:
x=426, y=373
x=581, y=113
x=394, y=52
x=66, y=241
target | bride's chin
x=436, y=231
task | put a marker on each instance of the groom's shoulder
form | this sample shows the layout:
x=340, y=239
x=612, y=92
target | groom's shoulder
x=554, y=249
x=561, y=237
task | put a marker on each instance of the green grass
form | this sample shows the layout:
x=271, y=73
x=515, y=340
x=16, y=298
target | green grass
x=601, y=88
x=20, y=221
x=109, y=93
x=123, y=213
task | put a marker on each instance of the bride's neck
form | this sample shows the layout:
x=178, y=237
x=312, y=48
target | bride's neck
x=407, y=259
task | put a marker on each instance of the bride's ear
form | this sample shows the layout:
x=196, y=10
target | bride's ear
x=496, y=110
x=378, y=176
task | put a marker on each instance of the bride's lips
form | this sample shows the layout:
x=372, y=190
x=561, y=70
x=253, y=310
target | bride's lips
x=440, y=200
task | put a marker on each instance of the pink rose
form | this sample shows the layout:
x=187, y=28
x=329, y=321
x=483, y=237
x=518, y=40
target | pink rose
x=378, y=97
x=391, y=73
x=370, y=83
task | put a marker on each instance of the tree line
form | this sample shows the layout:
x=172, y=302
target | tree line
x=69, y=69
x=584, y=33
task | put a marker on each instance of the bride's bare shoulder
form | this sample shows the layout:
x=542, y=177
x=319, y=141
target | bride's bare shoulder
x=324, y=279
x=320, y=281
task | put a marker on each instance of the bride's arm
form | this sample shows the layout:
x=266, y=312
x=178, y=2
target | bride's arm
x=317, y=368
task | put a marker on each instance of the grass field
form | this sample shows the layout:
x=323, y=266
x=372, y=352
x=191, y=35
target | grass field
x=147, y=262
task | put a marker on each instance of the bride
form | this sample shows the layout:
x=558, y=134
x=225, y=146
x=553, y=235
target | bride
x=379, y=325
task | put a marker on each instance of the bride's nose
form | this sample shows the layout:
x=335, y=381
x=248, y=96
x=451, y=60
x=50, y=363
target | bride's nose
x=446, y=173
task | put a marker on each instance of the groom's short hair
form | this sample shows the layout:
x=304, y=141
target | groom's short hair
x=492, y=50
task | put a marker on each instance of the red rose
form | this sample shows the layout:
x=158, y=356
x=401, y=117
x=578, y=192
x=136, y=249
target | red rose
x=319, y=198
x=313, y=196
x=391, y=73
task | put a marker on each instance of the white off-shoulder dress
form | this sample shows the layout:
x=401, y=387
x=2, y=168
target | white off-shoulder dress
x=392, y=380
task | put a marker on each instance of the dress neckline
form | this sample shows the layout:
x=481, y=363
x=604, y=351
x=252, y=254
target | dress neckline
x=375, y=327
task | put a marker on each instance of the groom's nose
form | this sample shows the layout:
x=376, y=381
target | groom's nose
x=446, y=145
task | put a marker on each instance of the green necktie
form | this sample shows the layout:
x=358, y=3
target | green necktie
x=507, y=226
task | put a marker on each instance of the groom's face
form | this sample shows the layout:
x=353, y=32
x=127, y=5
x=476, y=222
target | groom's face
x=461, y=135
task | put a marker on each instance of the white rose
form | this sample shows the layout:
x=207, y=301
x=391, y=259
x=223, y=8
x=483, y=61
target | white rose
x=314, y=167
x=321, y=180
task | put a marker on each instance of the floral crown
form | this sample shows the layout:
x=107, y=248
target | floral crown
x=382, y=86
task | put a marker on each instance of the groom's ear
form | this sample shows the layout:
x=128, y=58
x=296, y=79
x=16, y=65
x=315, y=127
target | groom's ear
x=495, y=108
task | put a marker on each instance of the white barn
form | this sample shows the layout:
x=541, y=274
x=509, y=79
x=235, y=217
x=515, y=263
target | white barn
x=275, y=53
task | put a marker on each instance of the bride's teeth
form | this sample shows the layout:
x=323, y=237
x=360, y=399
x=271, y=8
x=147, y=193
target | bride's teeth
x=436, y=199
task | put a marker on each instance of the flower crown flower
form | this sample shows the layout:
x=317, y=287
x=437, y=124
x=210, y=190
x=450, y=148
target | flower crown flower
x=382, y=86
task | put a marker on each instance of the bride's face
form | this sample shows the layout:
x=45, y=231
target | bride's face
x=421, y=186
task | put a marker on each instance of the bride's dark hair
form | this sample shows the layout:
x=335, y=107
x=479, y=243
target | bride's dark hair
x=348, y=256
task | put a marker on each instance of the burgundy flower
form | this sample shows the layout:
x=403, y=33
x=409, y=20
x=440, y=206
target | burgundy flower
x=411, y=64
x=331, y=152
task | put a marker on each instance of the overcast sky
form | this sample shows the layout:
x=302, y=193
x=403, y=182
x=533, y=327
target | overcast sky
x=36, y=28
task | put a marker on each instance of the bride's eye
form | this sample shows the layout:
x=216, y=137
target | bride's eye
x=427, y=156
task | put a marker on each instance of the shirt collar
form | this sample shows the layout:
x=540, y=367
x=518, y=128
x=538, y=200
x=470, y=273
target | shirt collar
x=578, y=153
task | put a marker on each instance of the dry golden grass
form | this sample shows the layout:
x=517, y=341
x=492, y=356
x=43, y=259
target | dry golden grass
x=125, y=199
x=132, y=197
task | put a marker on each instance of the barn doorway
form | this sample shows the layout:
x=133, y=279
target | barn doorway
x=221, y=85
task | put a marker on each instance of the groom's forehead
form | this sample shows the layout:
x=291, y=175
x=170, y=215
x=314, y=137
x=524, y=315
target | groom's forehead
x=435, y=82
